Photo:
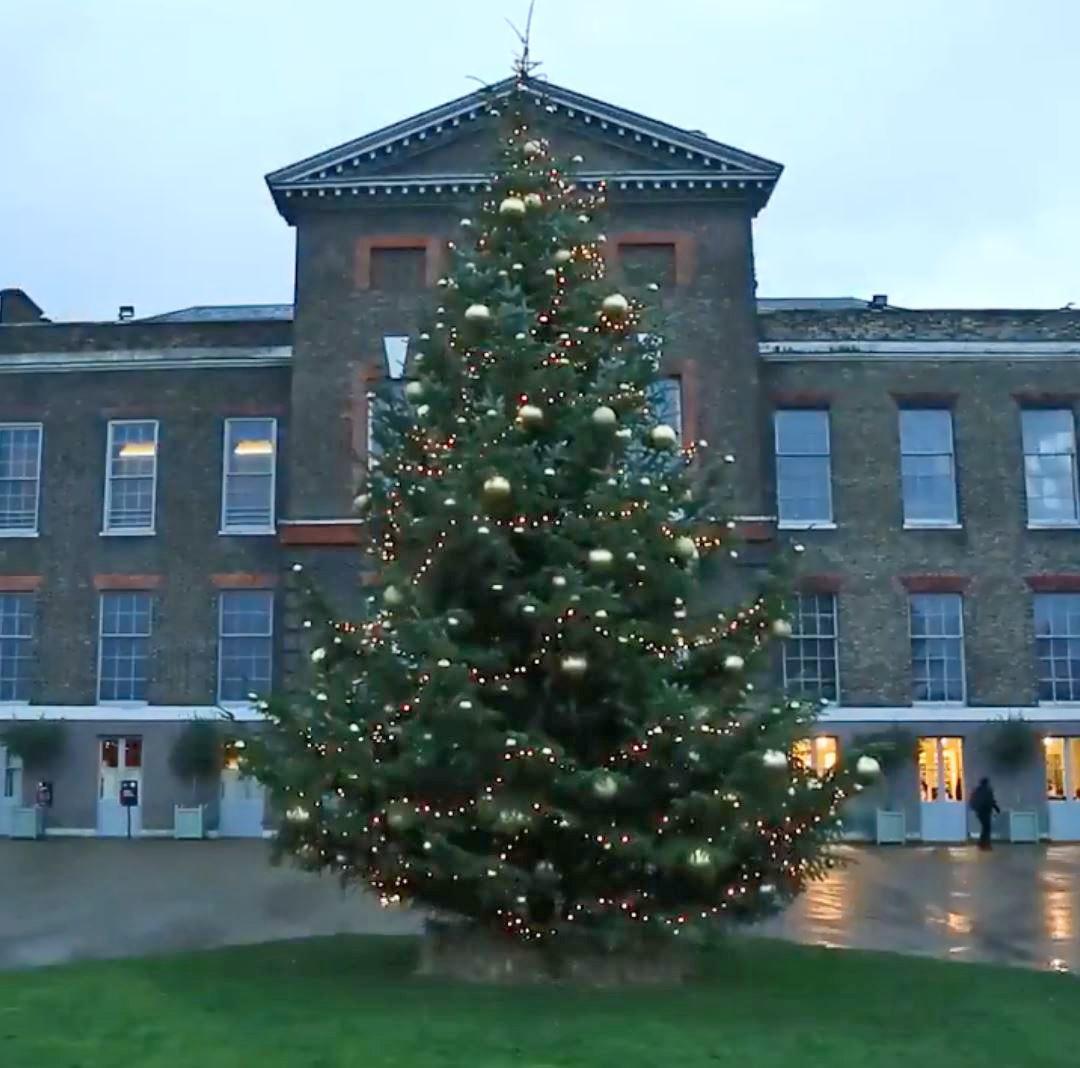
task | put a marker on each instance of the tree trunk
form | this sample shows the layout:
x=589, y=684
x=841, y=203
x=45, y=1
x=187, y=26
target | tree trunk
x=470, y=953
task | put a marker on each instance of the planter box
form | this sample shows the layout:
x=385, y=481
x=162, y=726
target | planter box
x=891, y=827
x=28, y=822
x=188, y=821
x=1023, y=826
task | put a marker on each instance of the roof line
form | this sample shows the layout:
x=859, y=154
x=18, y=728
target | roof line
x=568, y=98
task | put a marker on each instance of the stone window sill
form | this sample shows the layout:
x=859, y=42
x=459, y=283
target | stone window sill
x=18, y=533
x=933, y=526
x=794, y=524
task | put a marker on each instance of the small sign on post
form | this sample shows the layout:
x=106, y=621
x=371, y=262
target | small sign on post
x=129, y=798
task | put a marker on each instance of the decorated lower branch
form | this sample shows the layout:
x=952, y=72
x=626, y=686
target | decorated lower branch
x=543, y=729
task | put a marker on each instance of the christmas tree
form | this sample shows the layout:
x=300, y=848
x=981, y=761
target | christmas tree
x=539, y=727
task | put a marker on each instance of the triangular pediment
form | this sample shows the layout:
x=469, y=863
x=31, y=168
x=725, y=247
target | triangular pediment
x=449, y=149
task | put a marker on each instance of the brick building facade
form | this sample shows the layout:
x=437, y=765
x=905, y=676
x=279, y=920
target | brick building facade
x=159, y=477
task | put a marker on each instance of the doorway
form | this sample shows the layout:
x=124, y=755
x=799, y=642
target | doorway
x=242, y=797
x=119, y=762
x=942, y=795
x=10, y=789
x=1063, y=788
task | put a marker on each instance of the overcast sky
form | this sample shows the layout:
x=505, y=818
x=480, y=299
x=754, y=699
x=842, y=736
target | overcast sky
x=932, y=147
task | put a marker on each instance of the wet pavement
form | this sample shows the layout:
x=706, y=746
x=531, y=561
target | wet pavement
x=70, y=899
x=1018, y=905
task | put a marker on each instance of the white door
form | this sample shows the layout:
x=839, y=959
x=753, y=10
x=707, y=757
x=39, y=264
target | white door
x=1063, y=788
x=943, y=800
x=242, y=798
x=10, y=788
x=119, y=762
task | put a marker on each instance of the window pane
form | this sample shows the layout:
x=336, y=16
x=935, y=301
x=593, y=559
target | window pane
x=129, y=493
x=16, y=645
x=250, y=453
x=20, y=452
x=1057, y=646
x=937, y=647
x=802, y=487
x=245, y=644
x=802, y=432
x=1050, y=465
x=125, y=646
x=809, y=656
x=928, y=470
x=382, y=406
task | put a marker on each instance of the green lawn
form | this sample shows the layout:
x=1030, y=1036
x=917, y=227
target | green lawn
x=349, y=1001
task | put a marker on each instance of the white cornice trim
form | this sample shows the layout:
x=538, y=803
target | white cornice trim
x=440, y=184
x=131, y=713
x=173, y=359
x=841, y=350
x=930, y=715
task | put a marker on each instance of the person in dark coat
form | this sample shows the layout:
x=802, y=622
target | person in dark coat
x=984, y=805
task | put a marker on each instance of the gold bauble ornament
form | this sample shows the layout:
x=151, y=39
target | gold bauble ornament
x=496, y=488
x=533, y=200
x=361, y=502
x=532, y=148
x=574, y=665
x=781, y=628
x=414, y=391
x=663, y=436
x=393, y=597
x=477, y=313
x=530, y=416
x=601, y=558
x=685, y=548
x=563, y=256
x=615, y=306
x=512, y=208
x=605, y=416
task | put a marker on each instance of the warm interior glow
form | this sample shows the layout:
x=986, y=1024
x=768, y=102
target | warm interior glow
x=818, y=755
x=941, y=769
x=131, y=450
x=254, y=447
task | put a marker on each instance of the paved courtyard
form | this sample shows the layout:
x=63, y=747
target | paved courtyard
x=69, y=899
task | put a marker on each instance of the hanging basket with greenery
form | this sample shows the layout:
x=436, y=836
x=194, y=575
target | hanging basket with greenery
x=196, y=753
x=1011, y=743
x=38, y=742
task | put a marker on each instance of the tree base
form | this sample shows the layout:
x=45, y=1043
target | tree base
x=473, y=954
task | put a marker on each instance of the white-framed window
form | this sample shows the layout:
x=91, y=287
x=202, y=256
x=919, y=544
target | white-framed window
x=665, y=399
x=389, y=397
x=803, y=467
x=131, y=476
x=16, y=645
x=937, y=647
x=810, y=655
x=245, y=644
x=1062, y=768
x=928, y=467
x=249, y=475
x=819, y=754
x=1057, y=646
x=1050, y=466
x=124, y=645
x=20, y=478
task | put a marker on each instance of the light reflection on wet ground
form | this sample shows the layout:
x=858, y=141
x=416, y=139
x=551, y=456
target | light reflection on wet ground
x=1017, y=905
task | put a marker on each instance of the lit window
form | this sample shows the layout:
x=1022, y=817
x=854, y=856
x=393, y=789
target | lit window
x=124, y=646
x=927, y=464
x=941, y=769
x=131, y=477
x=20, y=476
x=1057, y=645
x=1062, y=768
x=245, y=640
x=16, y=645
x=1050, y=466
x=937, y=647
x=810, y=661
x=247, y=493
x=665, y=398
x=803, y=467
x=818, y=755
